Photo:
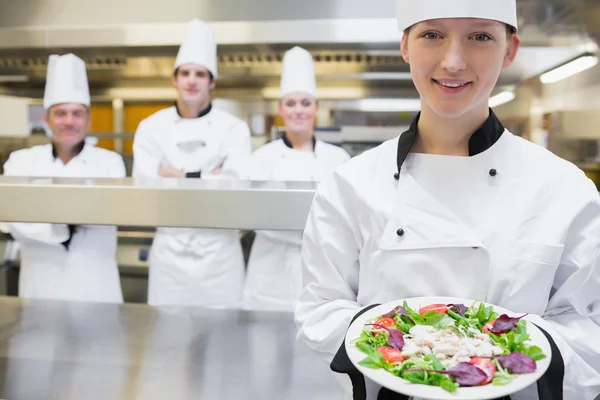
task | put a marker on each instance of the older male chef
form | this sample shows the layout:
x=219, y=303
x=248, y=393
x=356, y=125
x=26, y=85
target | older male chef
x=193, y=139
x=76, y=263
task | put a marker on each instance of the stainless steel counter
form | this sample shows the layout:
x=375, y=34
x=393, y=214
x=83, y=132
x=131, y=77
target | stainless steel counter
x=58, y=350
x=189, y=203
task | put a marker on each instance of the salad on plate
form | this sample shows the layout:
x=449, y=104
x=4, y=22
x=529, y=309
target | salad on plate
x=449, y=345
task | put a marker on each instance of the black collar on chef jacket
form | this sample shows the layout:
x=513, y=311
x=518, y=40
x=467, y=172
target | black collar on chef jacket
x=287, y=142
x=480, y=141
x=78, y=149
x=200, y=114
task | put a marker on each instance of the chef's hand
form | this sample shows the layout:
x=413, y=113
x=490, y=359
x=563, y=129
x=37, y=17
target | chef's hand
x=166, y=171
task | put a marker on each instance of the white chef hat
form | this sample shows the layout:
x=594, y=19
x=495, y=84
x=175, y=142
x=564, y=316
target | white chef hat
x=298, y=73
x=66, y=81
x=199, y=47
x=411, y=12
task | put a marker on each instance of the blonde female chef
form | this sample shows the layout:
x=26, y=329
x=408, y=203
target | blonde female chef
x=274, y=278
x=458, y=206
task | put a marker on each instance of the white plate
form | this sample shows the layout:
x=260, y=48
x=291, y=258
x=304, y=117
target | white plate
x=399, y=385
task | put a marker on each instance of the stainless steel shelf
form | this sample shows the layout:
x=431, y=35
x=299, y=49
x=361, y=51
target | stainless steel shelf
x=190, y=203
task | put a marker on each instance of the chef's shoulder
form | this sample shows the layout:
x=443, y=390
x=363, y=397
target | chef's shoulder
x=556, y=174
x=157, y=121
x=363, y=176
x=228, y=122
x=335, y=153
x=105, y=155
x=30, y=154
x=270, y=150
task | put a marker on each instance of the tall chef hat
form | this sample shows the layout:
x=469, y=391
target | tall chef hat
x=66, y=81
x=199, y=47
x=298, y=73
x=411, y=12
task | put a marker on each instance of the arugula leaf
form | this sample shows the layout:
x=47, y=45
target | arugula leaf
x=415, y=377
x=417, y=318
x=481, y=313
x=502, y=377
x=434, y=361
x=440, y=321
x=534, y=352
x=365, y=348
x=522, y=326
x=501, y=380
x=404, y=327
x=374, y=361
x=375, y=340
x=448, y=384
x=474, y=309
x=512, y=342
x=501, y=341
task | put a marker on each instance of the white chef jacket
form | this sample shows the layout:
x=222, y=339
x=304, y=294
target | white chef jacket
x=513, y=225
x=274, y=279
x=86, y=269
x=193, y=266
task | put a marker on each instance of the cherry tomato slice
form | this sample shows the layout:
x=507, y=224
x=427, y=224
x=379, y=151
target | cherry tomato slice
x=386, y=322
x=486, y=366
x=488, y=327
x=438, y=308
x=390, y=355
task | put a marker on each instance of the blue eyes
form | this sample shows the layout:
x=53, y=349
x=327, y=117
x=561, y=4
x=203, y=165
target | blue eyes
x=479, y=37
x=482, y=37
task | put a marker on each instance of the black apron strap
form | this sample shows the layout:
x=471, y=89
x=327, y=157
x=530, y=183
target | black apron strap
x=550, y=385
x=67, y=242
x=342, y=364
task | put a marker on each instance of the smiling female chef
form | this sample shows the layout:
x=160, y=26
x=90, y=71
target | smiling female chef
x=274, y=278
x=458, y=206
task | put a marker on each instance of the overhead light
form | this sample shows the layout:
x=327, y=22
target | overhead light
x=13, y=78
x=272, y=93
x=569, y=69
x=501, y=98
x=385, y=76
x=388, y=105
x=370, y=76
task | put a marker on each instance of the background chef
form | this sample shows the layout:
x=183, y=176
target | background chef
x=193, y=139
x=274, y=278
x=63, y=261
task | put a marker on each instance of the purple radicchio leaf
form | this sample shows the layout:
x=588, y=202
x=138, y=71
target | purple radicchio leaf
x=396, y=337
x=459, y=308
x=504, y=324
x=402, y=311
x=464, y=373
x=518, y=363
